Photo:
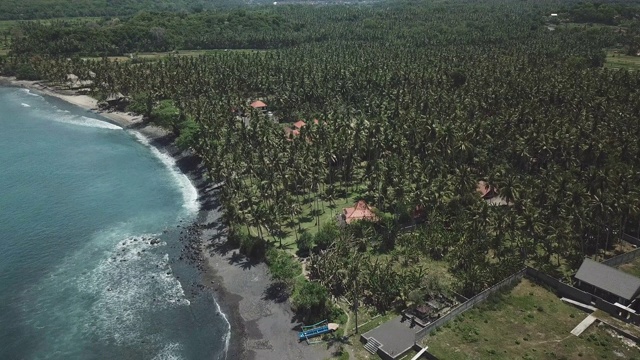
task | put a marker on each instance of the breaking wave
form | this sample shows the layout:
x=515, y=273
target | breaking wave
x=114, y=288
x=189, y=191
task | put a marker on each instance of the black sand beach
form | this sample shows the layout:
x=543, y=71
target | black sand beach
x=261, y=327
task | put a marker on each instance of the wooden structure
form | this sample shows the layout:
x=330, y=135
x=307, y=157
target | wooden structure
x=360, y=211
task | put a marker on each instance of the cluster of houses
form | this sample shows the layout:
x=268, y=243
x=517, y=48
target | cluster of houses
x=361, y=210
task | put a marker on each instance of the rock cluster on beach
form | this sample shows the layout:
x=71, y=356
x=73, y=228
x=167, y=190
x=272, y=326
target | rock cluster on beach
x=191, y=253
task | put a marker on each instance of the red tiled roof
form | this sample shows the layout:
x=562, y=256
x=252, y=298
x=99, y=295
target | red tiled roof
x=315, y=121
x=361, y=211
x=288, y=132
x=258, y=104
x=299, y=124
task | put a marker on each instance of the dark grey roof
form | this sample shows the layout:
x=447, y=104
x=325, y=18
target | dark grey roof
x=609, y=279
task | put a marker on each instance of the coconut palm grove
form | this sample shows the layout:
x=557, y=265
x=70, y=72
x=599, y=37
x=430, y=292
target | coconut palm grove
x=414, y=113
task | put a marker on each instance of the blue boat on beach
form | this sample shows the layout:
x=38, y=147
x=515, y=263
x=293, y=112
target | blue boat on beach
x=318, y=329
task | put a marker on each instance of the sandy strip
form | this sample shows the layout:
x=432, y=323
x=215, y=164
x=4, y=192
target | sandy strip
x=270, y=330
x=261, y=327
x=122, y=119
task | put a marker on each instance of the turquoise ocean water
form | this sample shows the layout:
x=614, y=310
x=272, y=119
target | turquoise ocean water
x=80, y=200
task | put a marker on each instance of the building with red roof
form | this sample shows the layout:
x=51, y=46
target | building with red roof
x=360, y=211
x=258, y=105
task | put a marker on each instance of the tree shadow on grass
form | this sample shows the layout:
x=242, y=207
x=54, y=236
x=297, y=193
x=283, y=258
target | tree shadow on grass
x=306, y=219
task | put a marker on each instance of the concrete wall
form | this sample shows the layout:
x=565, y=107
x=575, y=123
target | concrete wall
x=384, y=356
x=561, y=288
x=515, y=278
x=570, y=292
x=623, y=258
x=631, y=239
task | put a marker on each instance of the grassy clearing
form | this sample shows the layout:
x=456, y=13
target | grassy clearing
x=371, y=323
x=160, y=55
x=632, y=268
x=572, y=25
x=529, y=322
x=307, y=221
x=617, y=60
x=6, y=25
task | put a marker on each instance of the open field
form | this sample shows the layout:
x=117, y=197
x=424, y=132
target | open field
x=6, y=25
x=159, y=55
x=621, y=61
x=528, y=322
x=573, y=25
x=632, y=268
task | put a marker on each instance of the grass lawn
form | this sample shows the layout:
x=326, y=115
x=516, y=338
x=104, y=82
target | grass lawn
x=622, y=61
x=306, y=221
x=632, y=268
x=6, y=24
x=529, y=322
x=159, y=55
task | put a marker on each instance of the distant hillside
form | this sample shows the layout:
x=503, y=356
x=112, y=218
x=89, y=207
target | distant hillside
x=44, y=9
x=47, y=9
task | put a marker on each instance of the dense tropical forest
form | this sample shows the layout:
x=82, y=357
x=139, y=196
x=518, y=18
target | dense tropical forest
x=48, y=9
x=415, y=102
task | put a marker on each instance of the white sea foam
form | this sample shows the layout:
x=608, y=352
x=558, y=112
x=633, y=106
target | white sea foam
x=129, y=282
x=227, y=335
x=169, y=352
x=112, y=298
x=86, y=121
x=27, y=91
x=25, y=105
x=189, y=191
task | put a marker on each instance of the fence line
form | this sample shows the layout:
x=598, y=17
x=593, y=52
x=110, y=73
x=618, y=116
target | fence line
x=623, y=258
x=562, y=289
x=570, y=292
x=516, y=277
x=631, y=239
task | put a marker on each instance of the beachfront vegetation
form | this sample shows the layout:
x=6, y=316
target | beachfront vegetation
x=416, y=102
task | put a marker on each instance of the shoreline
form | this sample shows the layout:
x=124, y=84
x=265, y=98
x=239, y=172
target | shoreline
x=260, y=327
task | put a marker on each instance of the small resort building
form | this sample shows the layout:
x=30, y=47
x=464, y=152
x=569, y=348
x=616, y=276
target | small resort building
x=360, y=211
x=608, y=283
x=259, y=105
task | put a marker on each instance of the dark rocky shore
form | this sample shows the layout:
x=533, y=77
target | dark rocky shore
x=261, y=327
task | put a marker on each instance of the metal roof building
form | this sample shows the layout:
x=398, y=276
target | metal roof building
x=614, y=282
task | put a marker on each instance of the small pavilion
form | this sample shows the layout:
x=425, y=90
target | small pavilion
x=360, y=211
x=259, y=105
